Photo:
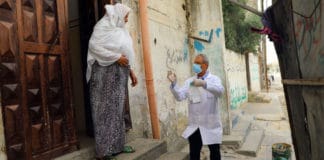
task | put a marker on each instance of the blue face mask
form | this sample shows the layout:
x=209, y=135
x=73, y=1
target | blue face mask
x=196, y=68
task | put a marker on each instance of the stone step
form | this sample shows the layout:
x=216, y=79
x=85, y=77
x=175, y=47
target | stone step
x=242, y=127
x=86, y=152
x=238, y=134
x=235, y=115
x=267, y=99
x=146, y=149
x=174, y=156
x=252, y=144
x=234, y=141
x=259, y=97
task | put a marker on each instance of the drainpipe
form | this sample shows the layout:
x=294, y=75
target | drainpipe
x=148, y=69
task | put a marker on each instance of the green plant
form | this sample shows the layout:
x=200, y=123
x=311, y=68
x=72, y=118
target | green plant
x=237, y=25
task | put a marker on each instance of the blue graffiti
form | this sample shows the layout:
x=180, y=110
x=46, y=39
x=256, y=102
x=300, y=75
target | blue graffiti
x=211, y=36
x=218, y=31
x=238, y=96
x=199, y=46
x=206, y=33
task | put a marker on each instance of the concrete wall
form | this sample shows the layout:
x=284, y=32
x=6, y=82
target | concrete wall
x=254, y=72
x=237, y=78
x=262, y=51
x=169, y=49
x=138, y=99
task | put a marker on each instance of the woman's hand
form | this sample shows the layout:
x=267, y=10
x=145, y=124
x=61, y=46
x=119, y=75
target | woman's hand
x=133, y=78
x=123, y=61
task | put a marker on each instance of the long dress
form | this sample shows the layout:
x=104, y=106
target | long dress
x=110, y=107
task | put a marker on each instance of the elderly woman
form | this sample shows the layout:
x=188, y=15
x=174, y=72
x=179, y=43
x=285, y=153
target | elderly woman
x=110, y=56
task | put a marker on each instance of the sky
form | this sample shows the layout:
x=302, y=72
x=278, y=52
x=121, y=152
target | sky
x=271, y=53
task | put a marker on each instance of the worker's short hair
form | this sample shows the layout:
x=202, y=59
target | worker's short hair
x=205, y=58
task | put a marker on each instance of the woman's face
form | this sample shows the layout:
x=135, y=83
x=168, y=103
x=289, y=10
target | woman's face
x=112, y=2
x=126, y=18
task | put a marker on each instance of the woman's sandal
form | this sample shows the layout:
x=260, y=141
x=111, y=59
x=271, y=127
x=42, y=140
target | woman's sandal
x=128, y=149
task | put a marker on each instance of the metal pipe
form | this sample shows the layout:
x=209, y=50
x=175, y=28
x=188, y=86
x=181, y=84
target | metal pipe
x=148, y=69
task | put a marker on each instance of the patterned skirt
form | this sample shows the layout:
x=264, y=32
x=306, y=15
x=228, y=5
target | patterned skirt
x=110, y=107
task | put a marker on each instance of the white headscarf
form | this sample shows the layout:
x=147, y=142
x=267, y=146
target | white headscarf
x=110, y=39
x=121, y=11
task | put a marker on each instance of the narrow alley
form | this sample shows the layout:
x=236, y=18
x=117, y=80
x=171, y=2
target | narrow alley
x=272, y=118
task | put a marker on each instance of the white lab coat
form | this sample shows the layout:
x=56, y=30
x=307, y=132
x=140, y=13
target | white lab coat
x=204, y=112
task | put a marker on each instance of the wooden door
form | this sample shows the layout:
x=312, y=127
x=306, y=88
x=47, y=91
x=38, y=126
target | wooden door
x=35, y=83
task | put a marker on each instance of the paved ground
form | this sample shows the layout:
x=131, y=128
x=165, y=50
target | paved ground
x=273, y=118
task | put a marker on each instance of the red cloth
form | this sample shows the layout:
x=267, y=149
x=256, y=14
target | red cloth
x=266, y=30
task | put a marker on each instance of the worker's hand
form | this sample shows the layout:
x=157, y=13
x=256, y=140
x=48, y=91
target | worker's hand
x=172, y=77
x=123, y=61
x=199, y=83
x=133, y=78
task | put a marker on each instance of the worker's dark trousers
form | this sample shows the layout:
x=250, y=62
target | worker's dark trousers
x=195, y=143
